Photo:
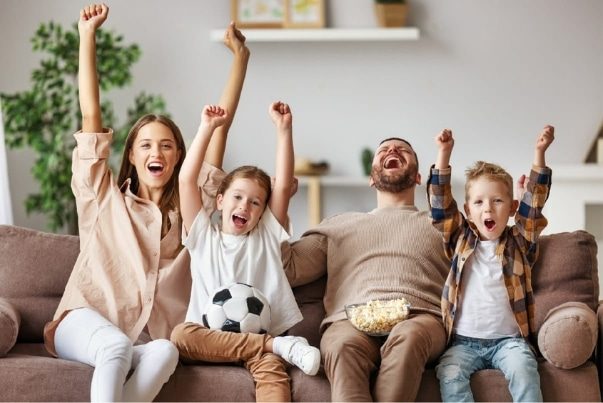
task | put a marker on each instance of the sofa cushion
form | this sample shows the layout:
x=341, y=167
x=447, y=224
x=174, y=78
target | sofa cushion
x=9, y=326
x=566, y=271
x=34, y=269
x=309, y=298
x=568, y=336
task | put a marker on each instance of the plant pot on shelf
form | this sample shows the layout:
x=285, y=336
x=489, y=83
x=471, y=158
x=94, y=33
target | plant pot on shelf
x=391, y=15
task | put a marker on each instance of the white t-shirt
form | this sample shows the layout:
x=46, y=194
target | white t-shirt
x=218, y=259
x=484, y=309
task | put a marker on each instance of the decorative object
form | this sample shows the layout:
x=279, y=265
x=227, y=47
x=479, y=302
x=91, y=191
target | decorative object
x=367, y=160
x=305, y=14
x=45, y=116
x=304, y=166
x=258, y=13
x=391, y=13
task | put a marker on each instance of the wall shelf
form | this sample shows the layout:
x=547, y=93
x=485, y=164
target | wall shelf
x=315, y=185
x=332, y=180
x=575, y=188
x=324, y=34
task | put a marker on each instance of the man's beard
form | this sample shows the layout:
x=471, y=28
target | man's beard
x=394, y=183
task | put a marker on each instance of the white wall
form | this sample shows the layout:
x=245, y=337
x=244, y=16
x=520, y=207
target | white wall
x=495, y=71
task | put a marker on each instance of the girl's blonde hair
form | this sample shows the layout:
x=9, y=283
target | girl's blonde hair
x=170, y=199
x=248, y=172
x=490, y=171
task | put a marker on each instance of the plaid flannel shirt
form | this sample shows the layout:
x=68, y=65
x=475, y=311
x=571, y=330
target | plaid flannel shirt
x=517, y=246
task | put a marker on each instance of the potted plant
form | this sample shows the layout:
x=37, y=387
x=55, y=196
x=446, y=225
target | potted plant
x=44, y=117
x=366, y=156
x=391, y=13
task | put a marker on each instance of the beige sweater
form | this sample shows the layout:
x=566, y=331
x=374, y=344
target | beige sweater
x=387, y=253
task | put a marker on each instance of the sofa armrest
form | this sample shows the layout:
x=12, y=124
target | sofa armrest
x=568, y=336
x=10, y=320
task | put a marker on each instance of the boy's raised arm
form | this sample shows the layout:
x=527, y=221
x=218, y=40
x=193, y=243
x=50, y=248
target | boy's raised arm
x=281, y=192
x=190, y=195
x=91, y=18
x=545, y=138
x=445, y=143
x=235, y=41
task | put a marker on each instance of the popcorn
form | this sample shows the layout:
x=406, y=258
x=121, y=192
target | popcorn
x=378, y=317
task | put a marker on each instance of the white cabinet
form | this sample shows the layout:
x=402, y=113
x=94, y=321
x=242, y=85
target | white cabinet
x=574, y=188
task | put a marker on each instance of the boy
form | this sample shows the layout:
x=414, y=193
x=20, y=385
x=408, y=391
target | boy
x=487, y=302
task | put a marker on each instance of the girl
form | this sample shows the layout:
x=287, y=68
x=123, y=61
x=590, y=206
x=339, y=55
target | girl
x=246, y=248
x=131, y=271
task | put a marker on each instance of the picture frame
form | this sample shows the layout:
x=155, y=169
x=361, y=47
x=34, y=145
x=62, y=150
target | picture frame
x=305, y=14
x=258, y=13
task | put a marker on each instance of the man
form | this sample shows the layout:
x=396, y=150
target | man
x=391, y=252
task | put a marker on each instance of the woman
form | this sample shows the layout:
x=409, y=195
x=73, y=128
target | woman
x=132, y=274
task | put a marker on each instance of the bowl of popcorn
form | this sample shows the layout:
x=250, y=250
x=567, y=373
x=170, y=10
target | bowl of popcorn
x=377, y=317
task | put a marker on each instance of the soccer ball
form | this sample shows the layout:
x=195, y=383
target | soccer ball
x=239, y=308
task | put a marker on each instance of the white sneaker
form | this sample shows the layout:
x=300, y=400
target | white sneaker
x=298, y=352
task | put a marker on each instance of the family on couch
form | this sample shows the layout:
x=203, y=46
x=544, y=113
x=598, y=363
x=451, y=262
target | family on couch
x=133, y=275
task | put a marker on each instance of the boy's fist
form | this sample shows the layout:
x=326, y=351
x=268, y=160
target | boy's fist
x=545, y=138
x=444, y=140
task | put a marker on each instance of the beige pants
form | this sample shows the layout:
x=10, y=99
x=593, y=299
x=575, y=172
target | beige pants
x=195, y=342
x=351, y=357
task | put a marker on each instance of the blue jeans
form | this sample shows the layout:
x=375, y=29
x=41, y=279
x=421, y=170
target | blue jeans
x=511, y=355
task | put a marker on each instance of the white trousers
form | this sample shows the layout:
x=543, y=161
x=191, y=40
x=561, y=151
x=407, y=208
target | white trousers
x=87, y=337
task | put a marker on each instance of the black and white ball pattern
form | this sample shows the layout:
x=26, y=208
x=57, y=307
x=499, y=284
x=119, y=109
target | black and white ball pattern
x=239, y=308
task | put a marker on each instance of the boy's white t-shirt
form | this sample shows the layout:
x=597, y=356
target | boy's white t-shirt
x=219, y=259
x=484, y=311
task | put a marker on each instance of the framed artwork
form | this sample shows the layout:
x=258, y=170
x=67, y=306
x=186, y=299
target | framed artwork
x=305, y=14
x=258, y=13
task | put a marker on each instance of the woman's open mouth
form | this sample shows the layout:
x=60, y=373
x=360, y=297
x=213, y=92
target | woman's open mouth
x=155, y=168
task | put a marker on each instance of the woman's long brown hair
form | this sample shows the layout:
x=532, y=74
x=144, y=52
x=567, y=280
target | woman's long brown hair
x=170, y=200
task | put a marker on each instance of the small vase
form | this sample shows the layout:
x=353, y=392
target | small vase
x=391, y=15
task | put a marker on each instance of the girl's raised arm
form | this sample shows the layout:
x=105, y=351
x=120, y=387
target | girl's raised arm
x=91, y=18
x=281, y=191
x=213, y=116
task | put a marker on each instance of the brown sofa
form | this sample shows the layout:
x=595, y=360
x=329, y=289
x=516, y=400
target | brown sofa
x=34, y=267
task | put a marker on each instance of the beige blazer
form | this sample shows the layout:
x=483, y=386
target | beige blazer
x=125, y=271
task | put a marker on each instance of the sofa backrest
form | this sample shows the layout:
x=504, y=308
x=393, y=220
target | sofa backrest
x=34, y=269
x=35, y=266
x=566, y=271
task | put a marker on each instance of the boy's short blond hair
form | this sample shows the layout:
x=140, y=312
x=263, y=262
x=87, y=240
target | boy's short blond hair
x=490, y=171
